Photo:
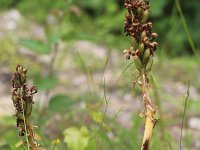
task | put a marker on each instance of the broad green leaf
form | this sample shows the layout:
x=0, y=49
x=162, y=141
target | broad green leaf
x=97, y=116
x=60, y=103
x=45, y=83
x=54, y=36
x=77, y=139
x=35, y=46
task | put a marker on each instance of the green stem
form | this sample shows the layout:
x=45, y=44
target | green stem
x=186, y=28
x=25, y=125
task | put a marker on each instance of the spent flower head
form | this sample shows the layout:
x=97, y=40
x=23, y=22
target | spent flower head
x=139, y=28
x=22, y=97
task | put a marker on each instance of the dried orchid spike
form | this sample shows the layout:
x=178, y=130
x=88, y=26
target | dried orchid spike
x=143, y=46
x=138, y=27
x=22, y=98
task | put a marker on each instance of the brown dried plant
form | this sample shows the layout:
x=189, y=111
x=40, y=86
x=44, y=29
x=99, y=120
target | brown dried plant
x=142, y=50
x=22, y=97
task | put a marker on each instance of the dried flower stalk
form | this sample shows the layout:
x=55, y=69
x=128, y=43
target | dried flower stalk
x=142, y=49
x=22, y=98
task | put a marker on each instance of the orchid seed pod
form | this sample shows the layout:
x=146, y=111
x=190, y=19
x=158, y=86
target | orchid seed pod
x=138, y=64
x=143, y=35
x=141, y=47
x=149, y=64
x=145, y=16
x=29, y=110
x=139, y=11
x=146, y=56
x=134, y=42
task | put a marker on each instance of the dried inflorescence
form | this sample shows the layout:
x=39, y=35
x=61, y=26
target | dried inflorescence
x=139, y=29
x=142, y=49
x=22, y=98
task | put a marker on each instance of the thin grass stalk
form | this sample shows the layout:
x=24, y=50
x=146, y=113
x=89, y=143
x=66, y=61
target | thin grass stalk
x=158, y=102
x=186, y=28
x=184, y=113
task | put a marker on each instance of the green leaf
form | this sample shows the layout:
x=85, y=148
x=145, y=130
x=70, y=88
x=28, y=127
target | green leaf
x=45, y=83
x=60, y=103
x=77, y=139
x=53, y=36
x=97, y=116
x=93, y=4
x=35, y=46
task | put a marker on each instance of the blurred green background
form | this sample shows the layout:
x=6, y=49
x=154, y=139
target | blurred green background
x=86, y=99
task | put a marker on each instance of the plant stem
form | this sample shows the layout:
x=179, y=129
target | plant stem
x=184, y=113
x=25, y=125
x=29, y=133
x=33, y=144
x=149, y=112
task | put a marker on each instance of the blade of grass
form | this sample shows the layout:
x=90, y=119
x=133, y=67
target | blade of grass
x=104, y=97
x=158, y=101
x=184, y=112
x=104, y=90
x=187, y=29
x=116, y=115
x=87, y=72
x=40, y=133
x=103, y=78
x=123, y=72
x=170, y=146
x=104, y=114
x=108, y=100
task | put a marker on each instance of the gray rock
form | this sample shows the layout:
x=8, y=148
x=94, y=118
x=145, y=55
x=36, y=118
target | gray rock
x=194, y=123
x=90, y=48
x=179, y=89
x=10, y=20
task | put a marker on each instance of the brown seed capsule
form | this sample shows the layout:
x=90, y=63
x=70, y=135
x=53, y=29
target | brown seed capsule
x=146, y=56
x=134, y=43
